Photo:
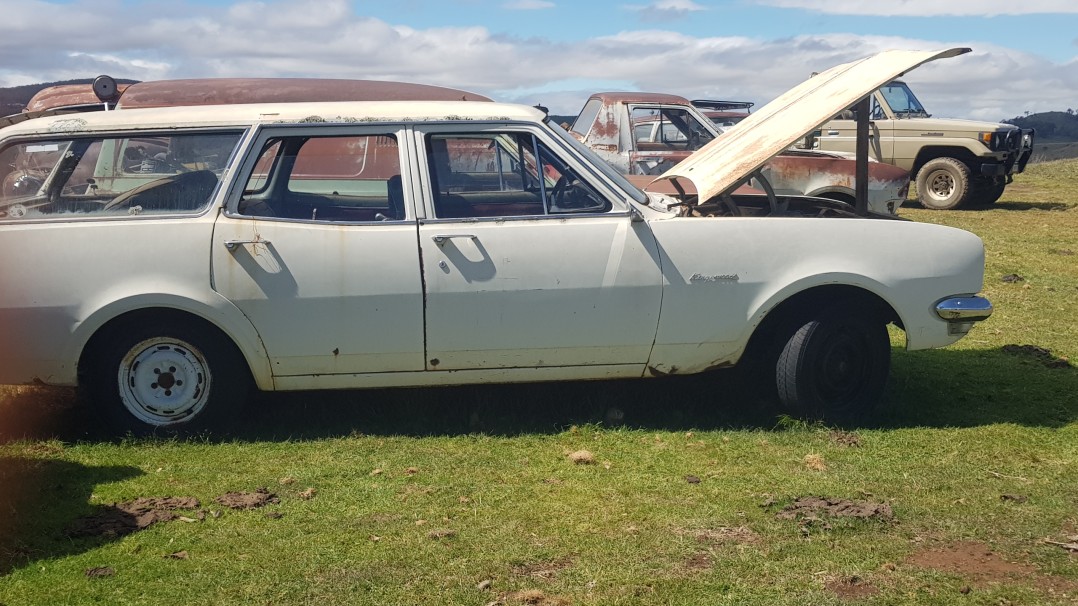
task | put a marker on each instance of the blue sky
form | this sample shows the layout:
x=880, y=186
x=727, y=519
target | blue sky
x=555, y=51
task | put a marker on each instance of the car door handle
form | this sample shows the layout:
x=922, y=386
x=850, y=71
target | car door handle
x=234, y=244
x=832, y=132
x=442, y=238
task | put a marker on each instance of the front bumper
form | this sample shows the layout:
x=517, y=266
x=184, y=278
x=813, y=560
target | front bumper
x=961, y=313
x=1016, y=152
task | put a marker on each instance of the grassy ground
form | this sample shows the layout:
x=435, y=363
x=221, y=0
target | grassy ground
x=965, y=482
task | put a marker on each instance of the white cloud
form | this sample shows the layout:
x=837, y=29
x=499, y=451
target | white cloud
x=930, y=8
x=42, y=42
x=665, y=10
x=528, y=5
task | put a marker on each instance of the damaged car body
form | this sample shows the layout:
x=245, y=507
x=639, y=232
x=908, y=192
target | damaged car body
x=184, y=256
x=648, y=133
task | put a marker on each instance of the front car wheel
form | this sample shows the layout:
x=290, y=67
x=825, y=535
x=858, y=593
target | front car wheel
x=834, y=366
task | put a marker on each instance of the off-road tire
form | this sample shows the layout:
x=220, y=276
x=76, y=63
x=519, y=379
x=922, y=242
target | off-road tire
x=986, y=191
x=943, y=184
x=834, y=366
x=166, y=377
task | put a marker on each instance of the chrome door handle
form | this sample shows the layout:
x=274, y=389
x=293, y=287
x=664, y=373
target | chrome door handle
x=234, y=244
x=441, y=238
x=832, y=132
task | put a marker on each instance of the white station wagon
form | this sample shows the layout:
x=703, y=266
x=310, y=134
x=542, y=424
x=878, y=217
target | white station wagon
x=169, y=260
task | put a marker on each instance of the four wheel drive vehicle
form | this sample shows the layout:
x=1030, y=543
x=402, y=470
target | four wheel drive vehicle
x=370, y=244
x=956, y=162
x=648, y=133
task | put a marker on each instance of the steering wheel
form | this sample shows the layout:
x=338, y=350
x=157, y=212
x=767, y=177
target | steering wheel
x=558, y=191
x=777, y=208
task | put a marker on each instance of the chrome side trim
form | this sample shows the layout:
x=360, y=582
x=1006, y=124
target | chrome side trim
x=964, y=309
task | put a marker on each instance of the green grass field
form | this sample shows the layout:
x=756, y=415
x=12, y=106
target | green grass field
x=965, y=488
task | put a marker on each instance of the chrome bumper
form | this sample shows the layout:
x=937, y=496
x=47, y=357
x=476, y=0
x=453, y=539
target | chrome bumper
x=961, y=313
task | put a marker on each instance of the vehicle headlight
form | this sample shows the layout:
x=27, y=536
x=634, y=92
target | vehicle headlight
x=990, y=139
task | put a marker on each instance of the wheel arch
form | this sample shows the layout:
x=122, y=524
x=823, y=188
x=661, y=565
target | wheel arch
x=929, y=153
x=787, y=308
x=234, y=327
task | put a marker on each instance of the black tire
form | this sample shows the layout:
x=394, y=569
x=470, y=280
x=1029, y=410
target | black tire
x=987, y=191
x=168, y=377
x=834, y=367
x=943, y=184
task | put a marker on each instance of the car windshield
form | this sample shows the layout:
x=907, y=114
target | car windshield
x=902, y=101
x=599, y=164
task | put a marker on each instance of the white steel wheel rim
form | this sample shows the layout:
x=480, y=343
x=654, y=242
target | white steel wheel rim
x=164, y=381
x=941, y=185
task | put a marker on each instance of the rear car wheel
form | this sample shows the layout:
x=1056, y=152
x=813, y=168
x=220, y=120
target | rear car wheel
x=834, y=366
x=943, y=184
x=986, y=191
x=167, y=377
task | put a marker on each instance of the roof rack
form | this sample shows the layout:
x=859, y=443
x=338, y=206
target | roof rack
x=722, y=105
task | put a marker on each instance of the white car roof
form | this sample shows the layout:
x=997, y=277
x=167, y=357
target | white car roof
x=270, y=113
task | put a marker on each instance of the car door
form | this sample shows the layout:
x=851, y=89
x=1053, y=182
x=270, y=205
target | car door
x=317, y=246
x=662, y=136
x=840, y=134
x=529, y=259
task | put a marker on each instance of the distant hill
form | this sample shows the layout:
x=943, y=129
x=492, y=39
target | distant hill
x=1057, y=134
x=14, y=98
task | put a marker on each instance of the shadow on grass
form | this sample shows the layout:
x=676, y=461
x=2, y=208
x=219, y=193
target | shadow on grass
x=1001, y=205
x=937, y=388
x=1013, y=205
x=40, y=499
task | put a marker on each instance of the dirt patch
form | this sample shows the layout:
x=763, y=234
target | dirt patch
x=725, y=535
x=120, y=519
x=1040, y=354
x=844, y=438
x=975, y=562
x=544, y=569
x=532, y=597
x=248, y=500
x=98, y=572
x=851, y=588
x=812, y=508
x=701, y=560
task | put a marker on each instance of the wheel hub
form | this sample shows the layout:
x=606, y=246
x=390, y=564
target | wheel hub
x=941, y=186
x=163, y=381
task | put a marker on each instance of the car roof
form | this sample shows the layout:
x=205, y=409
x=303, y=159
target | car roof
x=243, y=115
x=231, y=91
x=629, y=97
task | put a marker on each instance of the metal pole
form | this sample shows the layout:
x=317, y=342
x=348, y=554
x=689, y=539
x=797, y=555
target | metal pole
x=861, y=175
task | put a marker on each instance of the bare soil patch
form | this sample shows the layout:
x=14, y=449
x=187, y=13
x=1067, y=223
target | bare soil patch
x=701, y=560
x=851, y=588
x=807, y=509
x=532, y=597
x=1040, y=354
x=971, y=560
x=544, y=569
x=130, y=516
x=248, y=500
x=844, y=438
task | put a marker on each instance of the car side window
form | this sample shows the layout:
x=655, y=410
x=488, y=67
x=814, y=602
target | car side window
x=353, y=178
x=119, y=175
x=668, y=129
x=504, y=175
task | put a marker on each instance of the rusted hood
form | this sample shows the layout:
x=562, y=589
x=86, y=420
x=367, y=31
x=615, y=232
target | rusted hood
x=745, y=147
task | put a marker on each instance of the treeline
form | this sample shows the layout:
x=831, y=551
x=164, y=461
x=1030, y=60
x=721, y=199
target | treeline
x=1050, y=125
x=14, y=98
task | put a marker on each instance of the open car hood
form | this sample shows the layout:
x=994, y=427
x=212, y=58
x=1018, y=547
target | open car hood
x=746, y=146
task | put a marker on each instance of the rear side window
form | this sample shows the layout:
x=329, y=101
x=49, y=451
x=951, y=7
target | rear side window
x=349, y=178
x=112, y=176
